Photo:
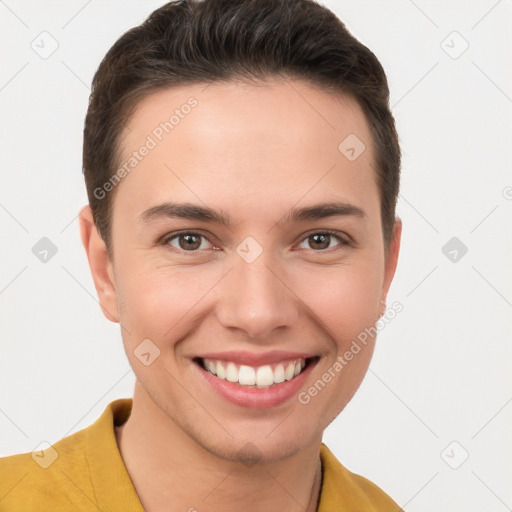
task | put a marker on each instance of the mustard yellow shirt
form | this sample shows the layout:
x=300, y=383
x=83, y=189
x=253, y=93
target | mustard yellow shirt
x=85, y=472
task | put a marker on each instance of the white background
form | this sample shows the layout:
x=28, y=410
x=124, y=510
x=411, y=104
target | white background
x=441, y=370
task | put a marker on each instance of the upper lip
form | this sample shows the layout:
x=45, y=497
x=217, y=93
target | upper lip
x=253, y=359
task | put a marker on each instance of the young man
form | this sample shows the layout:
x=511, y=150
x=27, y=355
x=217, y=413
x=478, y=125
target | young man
x=242, y=168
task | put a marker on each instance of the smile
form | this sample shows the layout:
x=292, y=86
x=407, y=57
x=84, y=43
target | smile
x=256, y=377
x=255, y=380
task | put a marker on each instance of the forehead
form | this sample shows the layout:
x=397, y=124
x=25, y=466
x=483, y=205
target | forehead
x=275, y=112
x=266, y=141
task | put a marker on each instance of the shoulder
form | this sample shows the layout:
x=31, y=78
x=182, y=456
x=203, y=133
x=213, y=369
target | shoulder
x=346, y=490
x=75, y=473
x=55, y=475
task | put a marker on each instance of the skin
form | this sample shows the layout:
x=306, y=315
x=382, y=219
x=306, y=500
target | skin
x=254, y=151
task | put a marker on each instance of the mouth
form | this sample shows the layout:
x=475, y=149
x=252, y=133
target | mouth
x=256, y=377
x=254, y=380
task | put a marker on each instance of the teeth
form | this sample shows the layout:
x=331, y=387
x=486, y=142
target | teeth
x=247, y=376
x=264, y=376
x=279, y=373
x=232, y=372
x=261, y=377
x=221, y=372
x=211, y=366
x=289, y=371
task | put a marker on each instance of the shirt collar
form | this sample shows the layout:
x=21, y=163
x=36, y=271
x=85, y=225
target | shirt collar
x=111, y=481
x=109, y=473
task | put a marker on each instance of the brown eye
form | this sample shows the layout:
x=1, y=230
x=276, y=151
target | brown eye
x=187, y=242
x=320, y=241
x=323, y=240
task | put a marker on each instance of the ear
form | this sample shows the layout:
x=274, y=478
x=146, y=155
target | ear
x=391, y=259
x=100, y=264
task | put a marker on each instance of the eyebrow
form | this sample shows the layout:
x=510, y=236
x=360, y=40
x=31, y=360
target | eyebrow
x=202, y=213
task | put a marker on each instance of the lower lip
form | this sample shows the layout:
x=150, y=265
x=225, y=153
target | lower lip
x=257, y=398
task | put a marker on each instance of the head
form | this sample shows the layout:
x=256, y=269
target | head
x=215, y=129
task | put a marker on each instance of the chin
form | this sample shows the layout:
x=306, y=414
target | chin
x=258, y=450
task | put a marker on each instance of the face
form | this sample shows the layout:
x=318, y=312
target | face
x=248, y=290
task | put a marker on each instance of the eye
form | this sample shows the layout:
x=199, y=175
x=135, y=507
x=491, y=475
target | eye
x=192, y=242
x=187, y=241
x=321, y=240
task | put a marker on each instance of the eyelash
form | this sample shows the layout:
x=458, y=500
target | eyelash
x=344, y=242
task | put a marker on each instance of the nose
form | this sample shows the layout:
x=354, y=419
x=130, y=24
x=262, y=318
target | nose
x=257, y=299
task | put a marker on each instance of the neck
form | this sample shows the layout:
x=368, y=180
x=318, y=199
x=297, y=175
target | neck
x=168, y=467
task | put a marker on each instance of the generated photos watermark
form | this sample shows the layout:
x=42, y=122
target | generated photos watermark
x=342, y=360
x=152, y=140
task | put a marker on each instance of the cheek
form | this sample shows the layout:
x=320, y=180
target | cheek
x=344, y=298
x=158, y=303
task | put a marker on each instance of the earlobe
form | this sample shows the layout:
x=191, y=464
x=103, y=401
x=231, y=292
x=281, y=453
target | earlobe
x=99, y=263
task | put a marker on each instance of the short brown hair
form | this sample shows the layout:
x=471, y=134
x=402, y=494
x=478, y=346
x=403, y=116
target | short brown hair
x=200, y=41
